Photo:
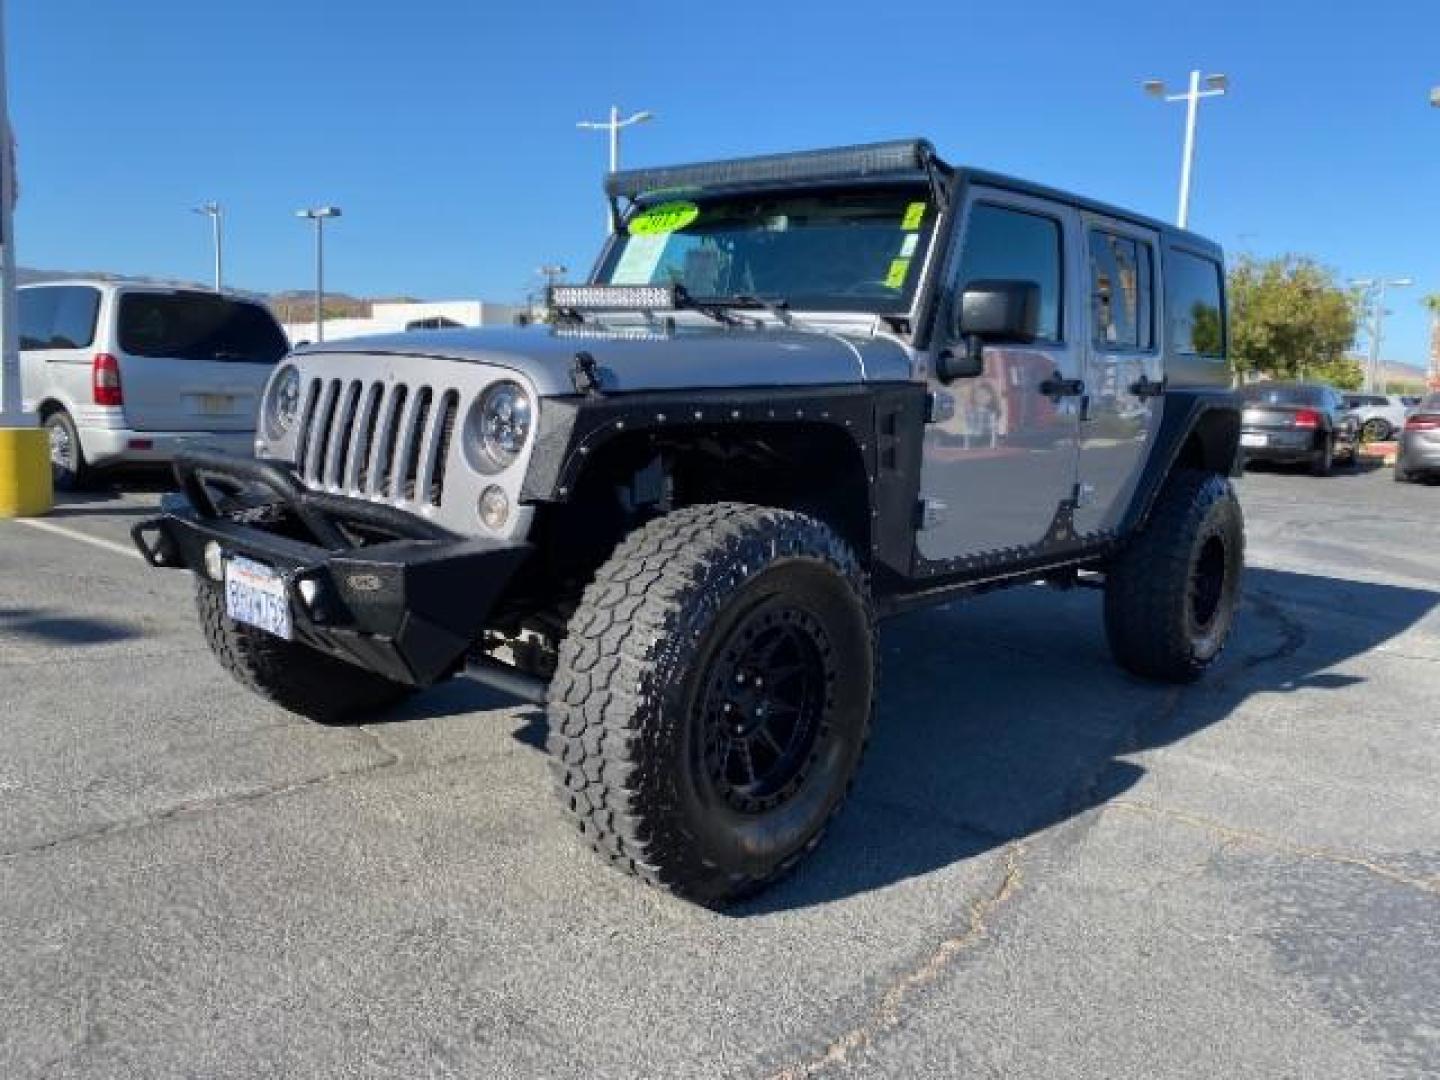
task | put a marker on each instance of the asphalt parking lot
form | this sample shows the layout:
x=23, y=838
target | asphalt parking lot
x=1048, y=869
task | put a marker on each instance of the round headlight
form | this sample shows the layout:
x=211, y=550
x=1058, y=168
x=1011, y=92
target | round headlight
x=282, y=404
x=503, y=424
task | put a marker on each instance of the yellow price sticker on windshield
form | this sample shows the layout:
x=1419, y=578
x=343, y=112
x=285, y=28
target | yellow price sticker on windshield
x=666, y=218
x=914, y=215
x=899, y=270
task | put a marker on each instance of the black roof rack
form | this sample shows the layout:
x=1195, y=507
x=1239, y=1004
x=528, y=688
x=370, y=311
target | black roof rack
x=905, y=157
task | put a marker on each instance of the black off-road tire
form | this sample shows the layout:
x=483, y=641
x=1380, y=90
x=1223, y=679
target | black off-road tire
x=1172, y=592
x=72, y=472
x=641, y=750
x=293, y=676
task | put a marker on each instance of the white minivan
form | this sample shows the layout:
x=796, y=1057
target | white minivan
x=126, y=373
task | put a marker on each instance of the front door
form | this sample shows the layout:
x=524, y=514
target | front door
x=1123, y=369
x=997, y=471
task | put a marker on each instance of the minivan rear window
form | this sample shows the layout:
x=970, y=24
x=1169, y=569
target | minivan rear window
x=198, y=326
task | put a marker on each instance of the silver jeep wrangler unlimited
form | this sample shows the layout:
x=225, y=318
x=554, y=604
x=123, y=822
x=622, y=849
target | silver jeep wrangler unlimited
x=800, y=392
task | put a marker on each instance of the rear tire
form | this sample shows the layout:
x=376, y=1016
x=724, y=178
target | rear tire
x=1324, y=462
x=293, y=676
x=714, y=697
x=1375, y=430
x=1171, y=594
x=68, y=470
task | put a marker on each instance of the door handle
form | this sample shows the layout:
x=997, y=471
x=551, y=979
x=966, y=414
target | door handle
x=1057, y=387
x=1146, y=387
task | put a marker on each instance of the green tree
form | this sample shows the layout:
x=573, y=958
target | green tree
x=1290, y=318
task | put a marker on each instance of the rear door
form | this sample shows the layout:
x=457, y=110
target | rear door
x=193, y=361
x=1123, y=369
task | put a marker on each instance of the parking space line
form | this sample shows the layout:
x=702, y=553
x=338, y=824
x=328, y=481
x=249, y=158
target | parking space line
x=84, y=538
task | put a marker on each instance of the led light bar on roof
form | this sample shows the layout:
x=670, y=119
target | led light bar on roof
x=614, y=297
x=908, y=156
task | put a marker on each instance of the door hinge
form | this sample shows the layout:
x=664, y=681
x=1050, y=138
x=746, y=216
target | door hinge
x=939, y=407
x=930, y=513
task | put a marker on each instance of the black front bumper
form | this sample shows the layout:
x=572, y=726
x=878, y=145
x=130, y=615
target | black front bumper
x=367, y=583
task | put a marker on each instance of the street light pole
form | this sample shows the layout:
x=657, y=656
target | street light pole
x=318, y=214
x=213, y=211
x=613, y=126
x=1376, y=288
x=1216, y=86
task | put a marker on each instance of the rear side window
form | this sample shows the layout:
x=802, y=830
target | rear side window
x=1015, y=246
x=58, y=317
x=1193, y=305
x=1120, y=291
x=198, y=326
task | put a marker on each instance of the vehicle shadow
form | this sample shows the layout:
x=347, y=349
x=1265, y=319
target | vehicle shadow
x=1003, y=716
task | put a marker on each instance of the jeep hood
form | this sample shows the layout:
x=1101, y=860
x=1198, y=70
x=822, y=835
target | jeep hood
x=637, y=358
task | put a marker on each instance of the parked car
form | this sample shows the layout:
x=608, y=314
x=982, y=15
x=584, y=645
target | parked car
x=121, y=372
x=674, y=514
x=1294, y=423
x=1418, y=454
x=1379, y=416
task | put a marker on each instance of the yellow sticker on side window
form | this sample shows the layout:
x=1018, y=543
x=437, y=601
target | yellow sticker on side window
x=914, y=215
x=899, y=270
x=664, y=218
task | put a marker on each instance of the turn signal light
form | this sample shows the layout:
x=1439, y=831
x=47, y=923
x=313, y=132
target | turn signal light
x=1307, y=418
x=1423, y=422
x=105, y=380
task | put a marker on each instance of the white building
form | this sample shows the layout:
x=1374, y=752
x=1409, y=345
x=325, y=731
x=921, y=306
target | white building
x=393, y=318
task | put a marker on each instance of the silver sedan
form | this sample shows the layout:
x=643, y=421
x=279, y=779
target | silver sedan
x=1418, y=454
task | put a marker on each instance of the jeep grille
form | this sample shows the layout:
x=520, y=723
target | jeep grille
x=377, y=440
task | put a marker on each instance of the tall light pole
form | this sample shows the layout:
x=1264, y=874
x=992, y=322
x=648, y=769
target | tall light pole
x=318, y=214
x=613, y=126
x=1375, y=289
x=216, y=215
x=26, y=487
x=1216, y=85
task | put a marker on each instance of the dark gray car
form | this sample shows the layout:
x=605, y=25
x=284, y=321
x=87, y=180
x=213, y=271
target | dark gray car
x=1418, y=453
x=1297, y=423
x=799, y=393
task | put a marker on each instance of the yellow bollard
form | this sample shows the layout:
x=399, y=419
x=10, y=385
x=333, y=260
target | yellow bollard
x=25, y=486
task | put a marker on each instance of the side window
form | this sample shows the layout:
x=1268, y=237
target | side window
x=58, y=317
x=75, y=309
x=1121, y=291
x=1192, y=306
x=1017, y=246
x=37, y=312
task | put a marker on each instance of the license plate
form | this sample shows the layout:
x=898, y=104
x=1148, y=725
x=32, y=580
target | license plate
x=255, y=595
x=1250, y=439
x=216, y=404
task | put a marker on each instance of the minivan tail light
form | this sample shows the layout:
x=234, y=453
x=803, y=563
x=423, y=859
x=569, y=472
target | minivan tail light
x=1307, y=418
x=105, y=380
x=1423, y=422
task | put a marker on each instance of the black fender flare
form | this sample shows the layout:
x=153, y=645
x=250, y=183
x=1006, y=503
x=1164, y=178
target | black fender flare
x=1198, y=428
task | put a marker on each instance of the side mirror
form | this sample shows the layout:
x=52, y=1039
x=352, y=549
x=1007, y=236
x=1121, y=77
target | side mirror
x=989, y=311
x=1000, y=311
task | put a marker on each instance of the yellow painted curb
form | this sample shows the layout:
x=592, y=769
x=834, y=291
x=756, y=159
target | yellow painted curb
x=25, y=487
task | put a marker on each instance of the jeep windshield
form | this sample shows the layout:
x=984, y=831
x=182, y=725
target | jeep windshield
x=846, y=249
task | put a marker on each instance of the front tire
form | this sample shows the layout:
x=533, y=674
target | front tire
x=1171, y=594
x=714, y=697
x=293, y=676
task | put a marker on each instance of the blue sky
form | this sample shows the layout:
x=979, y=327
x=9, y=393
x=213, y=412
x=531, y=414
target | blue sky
x=446, y=128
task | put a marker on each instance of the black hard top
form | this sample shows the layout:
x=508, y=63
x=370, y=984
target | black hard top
x=902, y=160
